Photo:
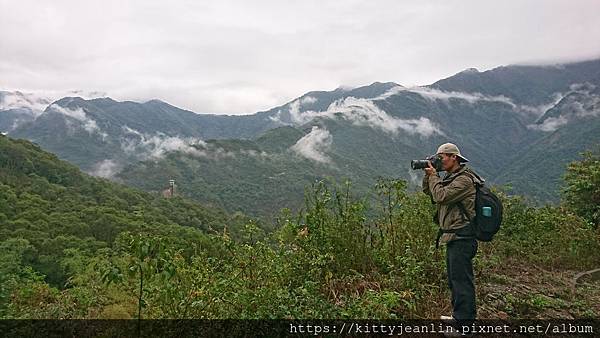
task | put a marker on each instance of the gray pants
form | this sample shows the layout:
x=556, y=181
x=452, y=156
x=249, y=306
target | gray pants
x=459, y=265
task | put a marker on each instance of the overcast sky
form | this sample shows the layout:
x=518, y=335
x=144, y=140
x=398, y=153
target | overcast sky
x=240, y=57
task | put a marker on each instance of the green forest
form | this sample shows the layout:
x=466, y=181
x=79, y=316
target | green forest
x=76, y=246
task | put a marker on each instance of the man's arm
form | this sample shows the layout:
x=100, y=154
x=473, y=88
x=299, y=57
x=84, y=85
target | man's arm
x=456, y=191
x=426, y=185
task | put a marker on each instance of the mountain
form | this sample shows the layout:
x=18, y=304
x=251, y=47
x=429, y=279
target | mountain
x=507, y=121
x=569, y=127
x=377, y=130
x=17, y=108
x=291, y=112
x=97, y=133
x=102, y=135
x=531, y=85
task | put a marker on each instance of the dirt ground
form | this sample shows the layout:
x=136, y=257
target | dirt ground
x=531, y=292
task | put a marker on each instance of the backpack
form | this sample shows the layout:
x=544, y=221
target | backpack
x=488, y=212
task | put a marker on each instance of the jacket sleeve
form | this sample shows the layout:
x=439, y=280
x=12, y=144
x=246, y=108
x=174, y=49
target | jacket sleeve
x=456, y=191
x=426, y=185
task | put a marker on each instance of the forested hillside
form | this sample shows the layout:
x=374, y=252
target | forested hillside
x=73, y=246
x=52, y=216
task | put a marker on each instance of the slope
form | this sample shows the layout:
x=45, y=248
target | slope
x=54, y=210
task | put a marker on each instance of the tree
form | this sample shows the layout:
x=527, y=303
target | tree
x=148, y=257
x=582, y=192
x=12, y=270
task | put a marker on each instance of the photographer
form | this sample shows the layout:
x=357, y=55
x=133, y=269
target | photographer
x=457, y=187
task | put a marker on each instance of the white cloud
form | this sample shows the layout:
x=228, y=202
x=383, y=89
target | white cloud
x=299, y=117
x=106, y=168
x=535, y=111
x=314, y=145
x=550, y=124
x=584, y=104
x=390, y=92
x=589, y=108
x=581, y=87
x=294, y=109
x=277, y=118
x=156, y=146
x=17, y=122
x=538, y=111
x=79, y=114
x=253, y=153
x=308, y=100
x=38, y=101
x=435, y=94
x=164, y=144
x=589, y=105
x=35, y=103
x=21, y=117
x=364, y=112
x=241, y=57
x=414, y=179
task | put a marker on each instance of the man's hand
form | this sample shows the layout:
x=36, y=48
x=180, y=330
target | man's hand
x=430, y=170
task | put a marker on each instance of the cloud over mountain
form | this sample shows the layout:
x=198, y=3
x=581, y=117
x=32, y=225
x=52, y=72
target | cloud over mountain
x=549, y=124
x=79, y=114
x=34, y=103
x=582, y=101
x=156, y=146
x=106, y=169
x=363, y=112
x=436, y=94
x=314, y=145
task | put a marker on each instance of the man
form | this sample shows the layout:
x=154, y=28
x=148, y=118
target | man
x=456, y=188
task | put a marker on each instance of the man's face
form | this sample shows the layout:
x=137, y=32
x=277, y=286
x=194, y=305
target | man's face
x=449, y=161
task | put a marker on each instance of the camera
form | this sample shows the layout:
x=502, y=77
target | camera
x=436, y=162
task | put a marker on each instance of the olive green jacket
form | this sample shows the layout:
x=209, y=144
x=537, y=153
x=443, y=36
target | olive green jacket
x=446, y=193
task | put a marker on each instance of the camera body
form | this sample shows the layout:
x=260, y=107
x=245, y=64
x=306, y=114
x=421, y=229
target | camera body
x=436, y=162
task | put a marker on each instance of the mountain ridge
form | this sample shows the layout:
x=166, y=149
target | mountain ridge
x=359, y=133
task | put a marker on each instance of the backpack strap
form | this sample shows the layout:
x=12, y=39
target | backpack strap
x=477, y=180
x=465, y=214
x=463, y=210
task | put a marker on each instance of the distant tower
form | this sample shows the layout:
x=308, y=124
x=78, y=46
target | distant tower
x=172, y=187
x=170, y=191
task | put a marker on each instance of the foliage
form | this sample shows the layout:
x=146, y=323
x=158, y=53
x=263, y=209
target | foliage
x=50, y=210
x=148, y=257
x=551, y=236
x=79, y=247
x=582, y=191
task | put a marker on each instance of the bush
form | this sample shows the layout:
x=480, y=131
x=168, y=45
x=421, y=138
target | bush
x=582, y=191
x=550, y=236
